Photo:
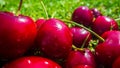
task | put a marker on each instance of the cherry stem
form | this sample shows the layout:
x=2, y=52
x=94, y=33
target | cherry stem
x=19, y=7
x=53, y=14
x=44, y=9
x=99, y=37
x=76, y=48
x=85, y=41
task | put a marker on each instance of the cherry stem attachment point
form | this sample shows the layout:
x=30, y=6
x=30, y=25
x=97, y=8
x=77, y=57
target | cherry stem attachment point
x=19, y=7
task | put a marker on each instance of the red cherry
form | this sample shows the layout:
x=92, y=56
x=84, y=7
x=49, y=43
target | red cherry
x=80, y=36
x=103, y=23
x=109, y=50
x=82, y=15
x=17, y=33
x=80, y=57
x=32, y=62
x=54, y=38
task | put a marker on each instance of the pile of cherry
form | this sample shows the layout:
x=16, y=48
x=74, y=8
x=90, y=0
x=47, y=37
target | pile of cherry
x=50, y=43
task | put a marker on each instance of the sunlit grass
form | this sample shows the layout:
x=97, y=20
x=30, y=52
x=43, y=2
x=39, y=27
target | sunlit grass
x=61, y=9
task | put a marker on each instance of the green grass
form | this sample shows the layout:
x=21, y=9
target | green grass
x=61, y=9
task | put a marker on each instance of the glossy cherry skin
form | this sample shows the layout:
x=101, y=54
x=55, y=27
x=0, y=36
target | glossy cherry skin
x=80, y=57
x=82, y=15
x=103, y=23
x=39, y=22
x=80, y=36
x=32, y=62
x=109, y=50
x=96, y=12
x=83, y=66
x=54, y=38
x=17, y=33
x=116, y=63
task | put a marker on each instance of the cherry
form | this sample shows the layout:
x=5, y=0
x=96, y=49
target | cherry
x=80, y=57
x=103, y=23
x=107, y=51
x=82, y=15
x=96, y=12
x=16, y=35
x=54, y=38
x=83, y=66
x=32, y=62
x=116, y=63
x=81, y=37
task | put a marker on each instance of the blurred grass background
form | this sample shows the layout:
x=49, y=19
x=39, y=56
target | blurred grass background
x=61, y=9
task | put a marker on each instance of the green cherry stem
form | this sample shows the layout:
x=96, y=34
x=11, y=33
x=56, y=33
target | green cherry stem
x=53, y=14
x=85, y=41
x=74, y=47
x=19, y=7
x=99, y=37
x=44, y=9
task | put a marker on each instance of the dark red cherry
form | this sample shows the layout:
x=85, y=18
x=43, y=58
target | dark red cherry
x=109, y=50
x=82, y=15
x=80, y=57
x=54, y=38
x=103, y=23
x=81, y=37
